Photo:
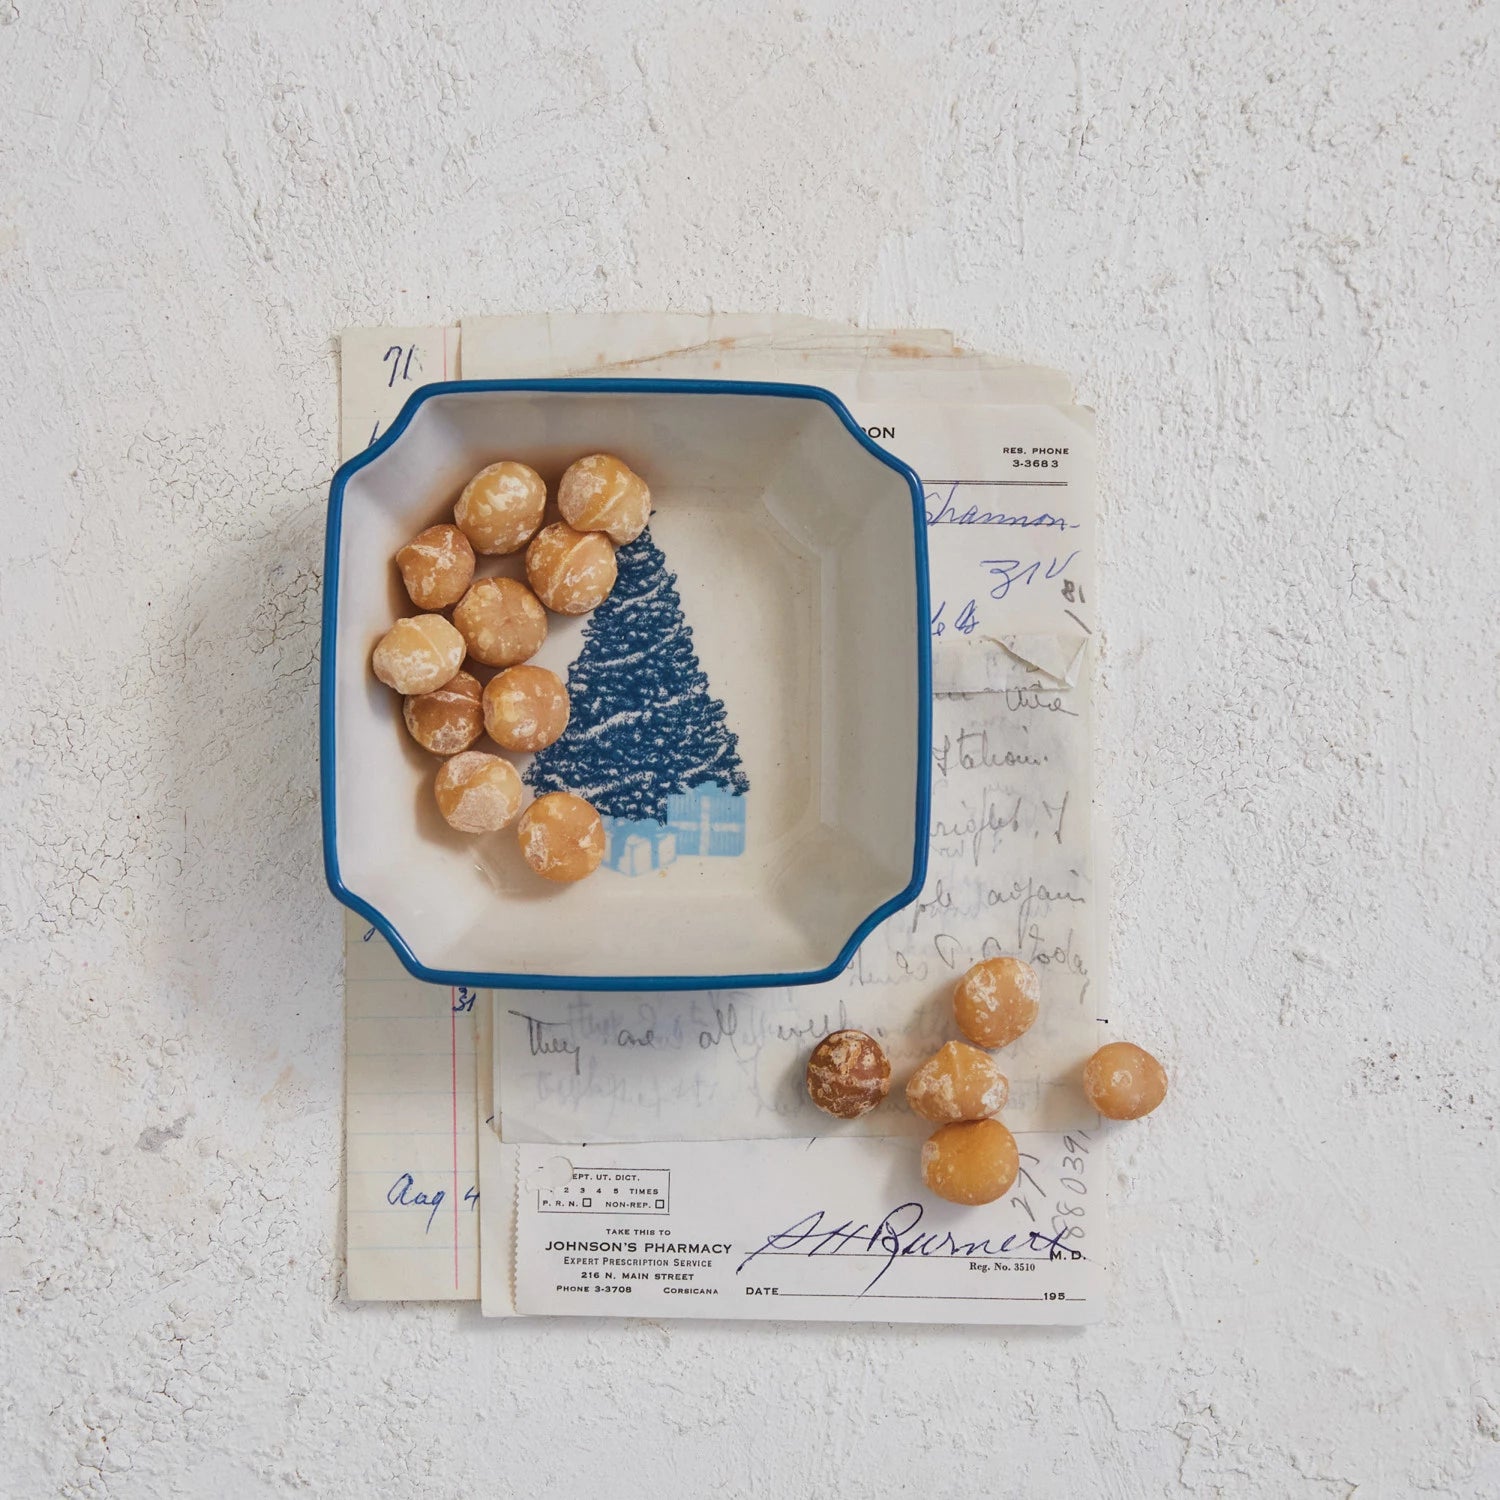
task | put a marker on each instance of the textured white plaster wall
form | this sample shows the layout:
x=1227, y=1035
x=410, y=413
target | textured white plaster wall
x=1265, y=240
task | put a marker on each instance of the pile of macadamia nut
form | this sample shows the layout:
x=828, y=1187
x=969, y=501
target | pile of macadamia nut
x=501, y=623
x=971, y=1157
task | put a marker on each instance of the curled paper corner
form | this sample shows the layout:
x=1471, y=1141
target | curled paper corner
x=1057, y=658
x=551, y=1176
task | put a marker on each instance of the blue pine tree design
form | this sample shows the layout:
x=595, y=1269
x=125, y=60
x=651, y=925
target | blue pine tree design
x=645, y=731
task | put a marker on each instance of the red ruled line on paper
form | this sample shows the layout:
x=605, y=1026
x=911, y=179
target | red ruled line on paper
x=453, y=1042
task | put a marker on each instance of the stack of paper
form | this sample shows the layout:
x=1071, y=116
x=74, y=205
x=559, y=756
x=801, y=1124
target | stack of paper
x=709, y=1185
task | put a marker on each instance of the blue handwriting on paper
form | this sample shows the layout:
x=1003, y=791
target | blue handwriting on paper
x=895, y=1237
x=1011, y=572
x=1003, y=575
x=398, y=366
x=941, y=511
x=964, y=624
x=404, y=1193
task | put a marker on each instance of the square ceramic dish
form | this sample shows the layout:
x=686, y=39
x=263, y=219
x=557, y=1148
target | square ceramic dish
x=773, y=618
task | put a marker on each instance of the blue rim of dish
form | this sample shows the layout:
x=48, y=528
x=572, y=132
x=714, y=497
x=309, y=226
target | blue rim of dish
x=327, y=742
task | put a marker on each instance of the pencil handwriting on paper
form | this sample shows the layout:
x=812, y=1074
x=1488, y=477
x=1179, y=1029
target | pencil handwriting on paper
x=1034, y=698
x=983, y=824
x=544, y=1037
x=971, y=750
x=692, y=1025
x=897, y=1237
x=1029, y=896
x=726, y=1022
x=1036, y=947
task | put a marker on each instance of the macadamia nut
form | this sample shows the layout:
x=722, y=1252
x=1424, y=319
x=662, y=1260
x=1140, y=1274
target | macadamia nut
x=419, y=654
x=501, y=620
x=447, y=720
x=1123, y=1081
x=996, y=1001
x=971, y=1161
x=501, y=507
x=571, y=571
x=602, y=493
x=959, y=1083
x=478, y=793
x=525, y=708
x=561, y=837
x=848, y=1074
x=436, y=565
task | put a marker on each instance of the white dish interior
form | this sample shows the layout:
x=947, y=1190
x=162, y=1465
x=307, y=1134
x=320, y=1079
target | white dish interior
x=793, y=548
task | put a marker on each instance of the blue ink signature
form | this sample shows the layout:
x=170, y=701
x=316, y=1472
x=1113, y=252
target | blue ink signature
x=896, y=1237
x=948, y=514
